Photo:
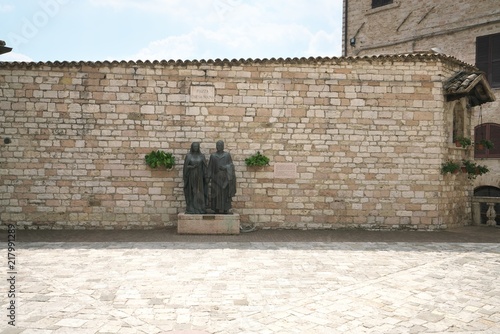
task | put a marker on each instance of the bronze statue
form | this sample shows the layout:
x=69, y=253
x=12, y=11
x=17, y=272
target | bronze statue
x=223, y=179
x=195, y=181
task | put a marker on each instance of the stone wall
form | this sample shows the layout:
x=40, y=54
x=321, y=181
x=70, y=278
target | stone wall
x=367, y=137
x=415, y=26
x=450, y=26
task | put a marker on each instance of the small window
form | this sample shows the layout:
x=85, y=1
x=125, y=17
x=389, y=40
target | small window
x=491, y=132
x=488, y=57
x=380, y=3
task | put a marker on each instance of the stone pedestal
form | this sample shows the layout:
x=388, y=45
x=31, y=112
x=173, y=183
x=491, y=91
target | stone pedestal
x=208, y=224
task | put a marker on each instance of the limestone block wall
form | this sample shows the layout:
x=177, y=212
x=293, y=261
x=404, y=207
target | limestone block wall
x=414, y=25
x=451, y=26
x=366, y=136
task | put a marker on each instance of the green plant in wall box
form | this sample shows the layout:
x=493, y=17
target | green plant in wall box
x=257, y=160
x=484, y=143
x=473, y=169
x=470, y=166
x=481, y=169
x=463, y=141
x=450, y=167
x=159, y=158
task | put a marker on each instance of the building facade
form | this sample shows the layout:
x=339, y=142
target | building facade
x=352, y=142
x=466, y=29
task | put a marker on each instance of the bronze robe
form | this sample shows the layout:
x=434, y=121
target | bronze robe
x=223, y=181
x=195, y=183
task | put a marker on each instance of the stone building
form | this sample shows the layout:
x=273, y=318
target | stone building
x=466, y=29
x=353, y=142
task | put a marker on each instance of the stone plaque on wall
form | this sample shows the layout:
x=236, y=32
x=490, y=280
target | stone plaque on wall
x=285, y=170
x=202, y=93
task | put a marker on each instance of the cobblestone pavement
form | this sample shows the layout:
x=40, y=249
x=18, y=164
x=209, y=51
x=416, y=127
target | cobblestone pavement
x=255, y=287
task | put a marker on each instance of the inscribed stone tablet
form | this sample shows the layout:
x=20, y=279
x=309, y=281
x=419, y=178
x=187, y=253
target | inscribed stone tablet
x=202, y=93
x=285, y=170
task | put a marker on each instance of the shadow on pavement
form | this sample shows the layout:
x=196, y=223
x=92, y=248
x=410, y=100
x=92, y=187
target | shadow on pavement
x=466, y=234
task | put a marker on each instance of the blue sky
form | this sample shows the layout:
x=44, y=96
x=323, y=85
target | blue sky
x=73, y=30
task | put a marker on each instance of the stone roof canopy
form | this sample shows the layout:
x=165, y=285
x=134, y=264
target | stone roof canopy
x=473, y=85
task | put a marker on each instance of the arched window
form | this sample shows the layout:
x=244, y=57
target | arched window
x=491, y=132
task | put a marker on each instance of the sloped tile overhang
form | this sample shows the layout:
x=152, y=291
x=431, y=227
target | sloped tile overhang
x=472, y=85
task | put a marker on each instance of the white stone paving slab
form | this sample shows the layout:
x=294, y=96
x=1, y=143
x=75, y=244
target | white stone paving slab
x=268, y=287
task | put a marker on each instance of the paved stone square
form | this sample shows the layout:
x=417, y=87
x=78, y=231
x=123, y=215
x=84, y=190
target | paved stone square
x=256, y=287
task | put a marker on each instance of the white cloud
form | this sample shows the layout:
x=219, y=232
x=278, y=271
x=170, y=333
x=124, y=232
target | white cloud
x=227, y=42
x=253, y=29
x=173, y=7
x=13, y=56
x=209, y=29
x=325, y=44
x=144, y=4
x=6, y=8
x=173, y=47
x=188, y=12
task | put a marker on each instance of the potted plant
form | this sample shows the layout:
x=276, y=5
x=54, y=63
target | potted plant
x=473, y=170
x=450, y=167
x=159, y=158
x=481, y=169
x=484, y=143
x=469, y=167
x=463, y=142
x=257, y=160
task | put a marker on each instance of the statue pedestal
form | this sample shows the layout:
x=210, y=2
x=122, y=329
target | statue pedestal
x=208, y=224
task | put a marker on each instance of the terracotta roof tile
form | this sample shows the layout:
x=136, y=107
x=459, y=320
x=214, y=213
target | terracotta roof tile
x=236, y=62
x=471, y=84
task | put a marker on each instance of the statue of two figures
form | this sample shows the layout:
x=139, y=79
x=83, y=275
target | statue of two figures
x=218, y=176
